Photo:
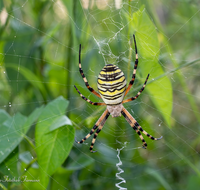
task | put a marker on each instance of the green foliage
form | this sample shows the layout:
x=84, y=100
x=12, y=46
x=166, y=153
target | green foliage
x=149, y=48
x=39, y=43
x=54, y=140
x=13, y=129
x=53, y=145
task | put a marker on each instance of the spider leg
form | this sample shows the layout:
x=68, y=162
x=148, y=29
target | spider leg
x=135, y=68
x=84, y=78
x=89, y=101
x=101, y=121
x=135, y=97
x=97, y=132
x=135, y=125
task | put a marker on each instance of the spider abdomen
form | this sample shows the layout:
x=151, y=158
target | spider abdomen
x=111, y=84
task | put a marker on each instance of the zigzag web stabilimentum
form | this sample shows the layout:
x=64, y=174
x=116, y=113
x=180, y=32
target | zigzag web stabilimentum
x=119, y=164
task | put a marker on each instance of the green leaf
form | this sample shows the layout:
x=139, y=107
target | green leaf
x=32, y=118
x=3, y=116
x=33, y=175
x=11, y=134
x=59, y=122
x=9, y=166
x=160, y=91
x=13, y=130
x=52, y=147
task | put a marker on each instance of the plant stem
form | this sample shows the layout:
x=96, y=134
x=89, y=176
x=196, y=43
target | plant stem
x=3, y=187
x=30, y=142
x=27, y=167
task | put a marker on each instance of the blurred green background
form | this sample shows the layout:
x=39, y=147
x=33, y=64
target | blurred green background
x=41, y=112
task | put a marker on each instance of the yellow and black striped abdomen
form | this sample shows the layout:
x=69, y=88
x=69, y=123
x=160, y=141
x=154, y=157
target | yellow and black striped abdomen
x=111, y=84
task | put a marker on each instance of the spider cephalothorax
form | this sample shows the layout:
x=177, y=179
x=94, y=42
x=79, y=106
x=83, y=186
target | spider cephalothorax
x=112, y=90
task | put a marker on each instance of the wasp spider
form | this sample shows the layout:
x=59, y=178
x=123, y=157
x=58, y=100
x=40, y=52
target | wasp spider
x=112, y=89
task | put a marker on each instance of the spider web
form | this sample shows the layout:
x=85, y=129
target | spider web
x=104, y=28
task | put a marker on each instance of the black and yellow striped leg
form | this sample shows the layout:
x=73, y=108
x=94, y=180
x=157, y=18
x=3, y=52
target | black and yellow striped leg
x=101, y=121
x=135, y=97
x=135, y=125
x=89, y=101
x=97, y=132
x=135, y=68
x=84, y=78
x=147, y=134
